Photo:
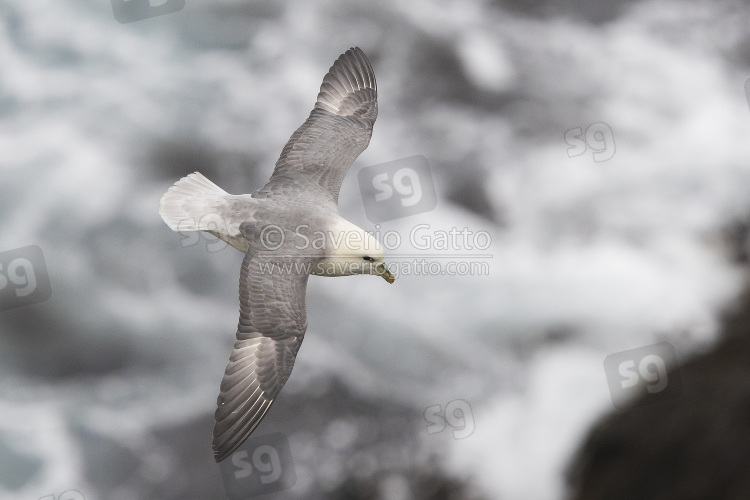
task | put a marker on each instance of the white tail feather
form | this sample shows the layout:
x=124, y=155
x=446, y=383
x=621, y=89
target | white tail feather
x=185, y=205
x=195, y=203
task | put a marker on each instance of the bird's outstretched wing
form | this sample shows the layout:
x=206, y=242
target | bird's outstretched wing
x=271, y=327
x=338, y=128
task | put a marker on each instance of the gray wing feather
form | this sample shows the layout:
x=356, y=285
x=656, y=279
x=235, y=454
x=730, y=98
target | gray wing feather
x=338, y=128
x=270, y=331
x=272, y=301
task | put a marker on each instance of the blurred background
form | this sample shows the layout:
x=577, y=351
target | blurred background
x=605, y=239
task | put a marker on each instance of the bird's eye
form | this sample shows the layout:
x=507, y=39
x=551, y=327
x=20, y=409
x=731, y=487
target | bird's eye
x=368, y=258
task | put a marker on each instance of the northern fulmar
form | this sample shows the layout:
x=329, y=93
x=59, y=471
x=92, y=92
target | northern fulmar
x=287, y=230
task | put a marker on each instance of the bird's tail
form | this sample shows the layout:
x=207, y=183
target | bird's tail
x=195, y=203
x=185, y=205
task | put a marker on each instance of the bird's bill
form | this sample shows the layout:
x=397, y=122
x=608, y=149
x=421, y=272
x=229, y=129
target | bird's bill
x=388, y=275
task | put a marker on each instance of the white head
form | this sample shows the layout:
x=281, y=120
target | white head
x=351, y=250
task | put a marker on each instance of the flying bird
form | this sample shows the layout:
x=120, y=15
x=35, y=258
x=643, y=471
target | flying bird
x=287, y=230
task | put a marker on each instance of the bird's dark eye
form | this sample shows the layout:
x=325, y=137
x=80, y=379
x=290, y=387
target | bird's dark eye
x=368, y=258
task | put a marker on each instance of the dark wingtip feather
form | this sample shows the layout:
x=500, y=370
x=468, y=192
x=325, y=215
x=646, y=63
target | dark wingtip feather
x=350, y=74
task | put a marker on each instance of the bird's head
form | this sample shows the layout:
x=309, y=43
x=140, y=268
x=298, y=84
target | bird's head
x=352, y=250
x=374, y=261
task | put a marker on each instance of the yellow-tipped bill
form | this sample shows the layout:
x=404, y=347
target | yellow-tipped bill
x=386, y=273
